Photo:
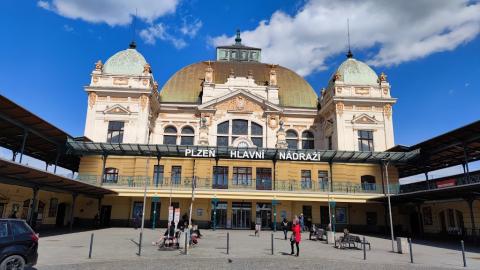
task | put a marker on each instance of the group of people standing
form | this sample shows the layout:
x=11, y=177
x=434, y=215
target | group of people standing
x=297, y=226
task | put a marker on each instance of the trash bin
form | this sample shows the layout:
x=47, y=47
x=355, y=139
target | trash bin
x=330, y=237
x=402, y=245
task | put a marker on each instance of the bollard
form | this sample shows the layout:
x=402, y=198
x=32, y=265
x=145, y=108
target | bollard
x=228, y=243
x=140, y=245
x=463, y=254
x=410, y=246
x=186, y=243
x=364, y=249
x=91, y=245
x=272, y=243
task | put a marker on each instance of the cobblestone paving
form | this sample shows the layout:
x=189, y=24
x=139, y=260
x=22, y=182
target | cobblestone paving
x=116, y=248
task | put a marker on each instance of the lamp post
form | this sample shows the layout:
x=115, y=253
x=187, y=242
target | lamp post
x=389, y=205
x=274, y=204
x=215, y=202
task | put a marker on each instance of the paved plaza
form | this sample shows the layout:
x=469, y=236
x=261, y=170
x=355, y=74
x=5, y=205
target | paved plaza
x=116, y=248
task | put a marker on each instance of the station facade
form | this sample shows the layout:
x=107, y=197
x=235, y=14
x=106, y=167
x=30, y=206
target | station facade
x=238, y=103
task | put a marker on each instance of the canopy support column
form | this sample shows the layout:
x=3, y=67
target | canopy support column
x=331, y=175
x=389, y=205
x=72, y=211
x=24, y=141
x=104, y=158
x=274, y=173
x=33, y=207
x=470, y=201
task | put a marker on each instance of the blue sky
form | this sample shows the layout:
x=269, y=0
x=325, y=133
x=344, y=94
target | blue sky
x=429, y=50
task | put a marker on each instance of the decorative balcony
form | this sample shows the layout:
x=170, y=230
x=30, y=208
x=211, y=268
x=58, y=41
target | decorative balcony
x=139, y=182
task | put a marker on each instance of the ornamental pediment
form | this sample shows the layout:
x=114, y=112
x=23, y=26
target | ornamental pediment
x=240, y=101
x=364, y=119
x=117, y=109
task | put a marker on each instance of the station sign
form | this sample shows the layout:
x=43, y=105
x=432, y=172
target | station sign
x=254, y=154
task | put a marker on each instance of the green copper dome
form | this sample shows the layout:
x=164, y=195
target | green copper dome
x=126, y=62
x=354, y=72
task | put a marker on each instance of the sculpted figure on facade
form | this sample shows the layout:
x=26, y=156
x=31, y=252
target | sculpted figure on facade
x=147, y=69
x=143, y=101
x=99, y=66
x=92, y=98
x=281, y=138
x=203, y=132
x=273, y=76
x=382, y=77
x=388, y=110
x=209, y=73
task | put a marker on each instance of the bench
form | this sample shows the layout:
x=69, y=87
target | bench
x=351, y=241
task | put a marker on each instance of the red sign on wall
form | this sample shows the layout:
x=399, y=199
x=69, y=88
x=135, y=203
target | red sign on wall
x=446, y=183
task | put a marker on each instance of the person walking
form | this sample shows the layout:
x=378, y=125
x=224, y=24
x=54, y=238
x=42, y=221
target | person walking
x=285, y=227
x=296, y=237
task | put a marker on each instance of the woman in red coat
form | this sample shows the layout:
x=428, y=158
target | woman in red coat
x=296, y=236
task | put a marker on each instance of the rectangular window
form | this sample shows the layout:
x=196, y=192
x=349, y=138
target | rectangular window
x=52, y=209
x=220, y=177
x=323, y=180
x=257, y=141
x=240, y=127
x=264, y=179
x=365, y=140
x=137, y=210
x=115, y=132
x=186, y=140
x=158, y=175
x=176, y=175
x=306, y=179
x=242, y=175
x=292, y=143
x=222, y=140
x=3, y=229
x=170, y=139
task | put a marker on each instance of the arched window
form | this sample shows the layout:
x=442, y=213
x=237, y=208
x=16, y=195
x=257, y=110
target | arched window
x=229, y=131
x=187, y=136
x=292, y=139
x=110, y=175
x=307, y=140
x=368, y=182
x=170, y=135
x=256, y=134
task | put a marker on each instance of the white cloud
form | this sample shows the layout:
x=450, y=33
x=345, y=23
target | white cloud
x=111, y=12
x=395, y=31
x=44, y=5
x=159, y=31
x=191, y=29
x=67, y=28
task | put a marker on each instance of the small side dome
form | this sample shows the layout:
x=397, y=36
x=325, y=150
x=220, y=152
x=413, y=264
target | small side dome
x=352, y=71
x=126, y=62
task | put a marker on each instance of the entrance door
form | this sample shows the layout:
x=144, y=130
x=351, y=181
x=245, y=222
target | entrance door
x=60, y=221
x=155, y=213
x=241, y=215
x=221, y=218
x=307, y=215
x=443, y=222
x=105, y=213
x=324, y=216
x=264, y=214
x=2, y=209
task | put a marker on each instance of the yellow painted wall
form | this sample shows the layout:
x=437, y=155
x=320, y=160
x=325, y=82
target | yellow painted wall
x=459, y=205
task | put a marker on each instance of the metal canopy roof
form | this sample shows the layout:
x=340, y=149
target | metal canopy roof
x=13, y=173
x=223, y=152
x=43, y=141
x=455, y=192
x=443, y=151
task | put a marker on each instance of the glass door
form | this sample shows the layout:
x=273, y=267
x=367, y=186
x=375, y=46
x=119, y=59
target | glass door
x=221, y=218
x=264, y=215
x=241, y=213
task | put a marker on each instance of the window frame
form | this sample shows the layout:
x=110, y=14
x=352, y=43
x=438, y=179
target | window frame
x=292, y=139
x=365, y=141
x=114, y=132
x=113, y=175
x=308, y=139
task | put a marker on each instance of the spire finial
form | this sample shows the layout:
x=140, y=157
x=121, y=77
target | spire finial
x=132, y=44
x=349, y=53
x=238, y=39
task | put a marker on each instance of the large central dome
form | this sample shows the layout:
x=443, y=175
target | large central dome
x=186, y=84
